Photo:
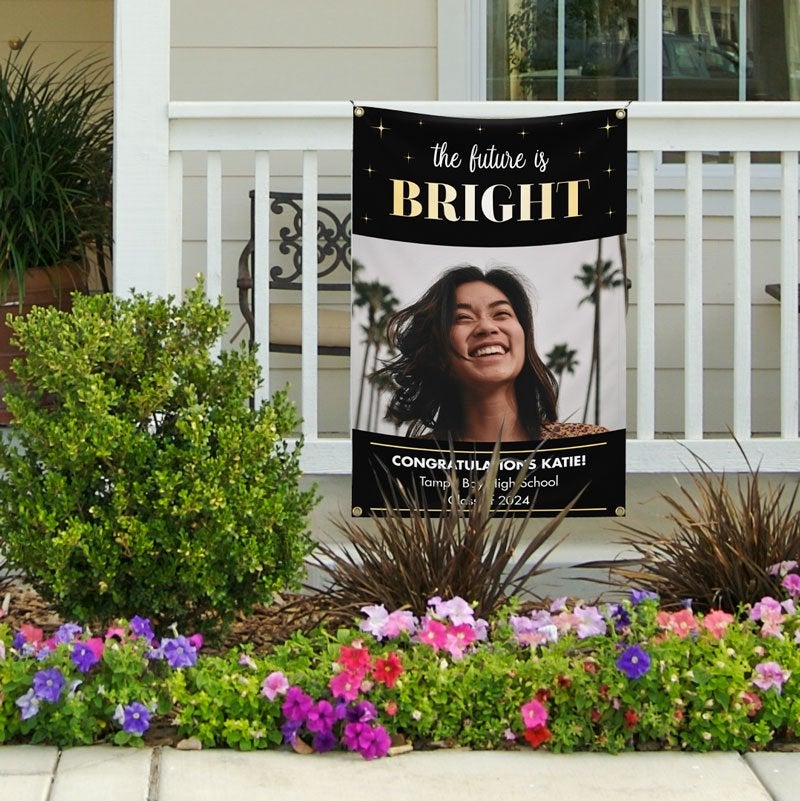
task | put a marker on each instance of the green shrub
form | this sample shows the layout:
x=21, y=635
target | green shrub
x=138, y=480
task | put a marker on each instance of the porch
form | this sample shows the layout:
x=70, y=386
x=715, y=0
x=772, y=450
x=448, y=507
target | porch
x=713, y=220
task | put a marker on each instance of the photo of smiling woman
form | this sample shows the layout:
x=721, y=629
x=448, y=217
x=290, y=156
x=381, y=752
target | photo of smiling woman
x=465, y=364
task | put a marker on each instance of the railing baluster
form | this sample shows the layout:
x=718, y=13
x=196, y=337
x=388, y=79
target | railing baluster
x=174, y=283
x=693, y=300
x=742, y=314
x=310, y=358
x=645, y=294
x=789, y=299
x=214, y=232
x=261, y=272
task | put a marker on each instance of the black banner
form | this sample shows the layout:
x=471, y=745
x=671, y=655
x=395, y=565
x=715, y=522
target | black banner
x=489, y=281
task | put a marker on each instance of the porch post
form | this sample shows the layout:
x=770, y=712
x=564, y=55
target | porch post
x=141, y=148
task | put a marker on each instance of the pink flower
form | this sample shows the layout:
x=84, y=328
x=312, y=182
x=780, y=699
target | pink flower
x=533, y=714
x=770, y=613
x=31, y=634
x=115, y=632
x=782, y=568
x=716, y=622
x=345, y=685
x=791, y=583
x=459, y=638
x=433, y=633
x=682, y=623
x=770, y=674
x=752, y=703
x=456, y=609
x=274, y=685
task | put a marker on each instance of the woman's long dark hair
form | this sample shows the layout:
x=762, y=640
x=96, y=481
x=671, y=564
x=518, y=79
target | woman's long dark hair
x=426, y=395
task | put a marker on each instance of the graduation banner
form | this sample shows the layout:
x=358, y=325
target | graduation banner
x=489, y=282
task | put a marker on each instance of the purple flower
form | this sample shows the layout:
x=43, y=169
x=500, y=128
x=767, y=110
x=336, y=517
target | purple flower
x=48, y=684
x=639, y=596
x=179, y=652
x=134, y=718
x=296, y=705
x=67, y=632
x=324, y=741
x=633, y=662
x=362, y=712
x=289, y=729
x=620, y=616
x=140, y=626
x=28, y=704
x=770, y=674
x=84, y=657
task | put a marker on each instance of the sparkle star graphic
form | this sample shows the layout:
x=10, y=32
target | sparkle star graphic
x=579, y=153
x=369, y=170
x=366, y=219
x=609, y=170
x=523, y=133
x=408, y=157
x=381, y=128
x=607, y=128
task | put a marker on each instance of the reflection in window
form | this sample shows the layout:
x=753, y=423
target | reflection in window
x=589, y=50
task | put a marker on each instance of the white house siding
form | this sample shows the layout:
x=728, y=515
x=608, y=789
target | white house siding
x=288, y=50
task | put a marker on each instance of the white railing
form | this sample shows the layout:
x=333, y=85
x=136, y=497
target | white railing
x=654, y=128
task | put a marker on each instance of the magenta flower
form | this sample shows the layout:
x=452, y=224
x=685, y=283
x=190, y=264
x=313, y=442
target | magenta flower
x=345, y=685
x=770, y=674
x=371, y=742
x=433, y=633
x=791, y=583
x=274, y=685
x=533, y=714
x=384, y=625
x=321, y=717
x=296, y=705
x=458, y=639
x=48, y=684
x=633, y=662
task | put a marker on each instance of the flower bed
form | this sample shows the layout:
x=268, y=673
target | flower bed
x=571, y=677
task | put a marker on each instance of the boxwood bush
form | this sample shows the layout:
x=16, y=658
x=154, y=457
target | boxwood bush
x=136, y=478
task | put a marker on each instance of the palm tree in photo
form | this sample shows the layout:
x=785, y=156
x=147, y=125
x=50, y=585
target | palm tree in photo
x=597, y=277
x=379, y=301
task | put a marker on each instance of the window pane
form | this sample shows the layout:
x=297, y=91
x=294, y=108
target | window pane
x=594, y=52
x=594, y=44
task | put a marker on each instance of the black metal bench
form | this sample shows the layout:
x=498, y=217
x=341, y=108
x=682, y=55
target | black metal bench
x=333, y=254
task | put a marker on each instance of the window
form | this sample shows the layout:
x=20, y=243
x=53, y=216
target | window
x=595, y=50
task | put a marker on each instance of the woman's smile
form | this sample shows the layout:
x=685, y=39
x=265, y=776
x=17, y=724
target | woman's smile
x=486, y=338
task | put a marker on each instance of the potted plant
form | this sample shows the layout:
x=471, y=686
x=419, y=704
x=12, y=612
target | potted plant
x=56, y=123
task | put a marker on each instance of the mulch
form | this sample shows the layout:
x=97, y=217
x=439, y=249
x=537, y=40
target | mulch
x=263, y=628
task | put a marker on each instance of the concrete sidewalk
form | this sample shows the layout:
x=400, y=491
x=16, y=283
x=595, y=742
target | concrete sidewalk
x=106, y=773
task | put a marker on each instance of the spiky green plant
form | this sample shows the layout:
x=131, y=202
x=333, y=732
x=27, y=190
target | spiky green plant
x=476, y=554
x=55, y=161
x=725, y=537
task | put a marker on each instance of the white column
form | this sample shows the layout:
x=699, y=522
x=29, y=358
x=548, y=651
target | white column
x=141, y=147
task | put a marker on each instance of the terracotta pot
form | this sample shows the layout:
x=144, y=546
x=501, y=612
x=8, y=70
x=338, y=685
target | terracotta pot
x=44, y=286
